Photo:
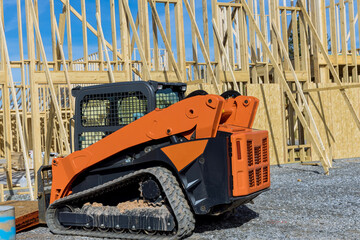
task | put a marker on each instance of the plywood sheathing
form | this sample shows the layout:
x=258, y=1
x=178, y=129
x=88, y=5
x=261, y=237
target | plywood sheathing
x=341, y=136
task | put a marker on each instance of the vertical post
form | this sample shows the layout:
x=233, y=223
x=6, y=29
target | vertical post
x=84, y=32
x=180, y=39
x=166, y=42
x=125, y=40
x=243, y=40
x=23, y=80
x=36, y=43
x=156, y=44
x=34, y=97
x=202, y=46
x=17, y=113
x=53, y=37
x=137, y=40
x=344, y=46
x=6, y=109
x=168, y=31
x=206, y=29
x=215, y=15
x=230, y=37
x=305, y=60
x=253, y=51
x=236, y=87
x=101, y=55
x=333, y=38
x=63, y=132
x=287, y=89
x=295, y=31
x=111, y=75
x=274, y=46
x=194, y=46
x=65, y=68
x=353, y=41
x=285, y=36
x=147, y=31
x=68, y=33
x=265, y=33
x=113, y=34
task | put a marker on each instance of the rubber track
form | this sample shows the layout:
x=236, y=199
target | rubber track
x=178, y=203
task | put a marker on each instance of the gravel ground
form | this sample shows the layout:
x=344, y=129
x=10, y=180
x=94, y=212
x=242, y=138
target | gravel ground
x=303, y=203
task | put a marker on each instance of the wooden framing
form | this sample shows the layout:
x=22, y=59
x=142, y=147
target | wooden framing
x=254, y=42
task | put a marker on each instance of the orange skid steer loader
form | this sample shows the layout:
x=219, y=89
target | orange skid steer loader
x=148, y=160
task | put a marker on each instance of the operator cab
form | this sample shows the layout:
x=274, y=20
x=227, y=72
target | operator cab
x=103, y=109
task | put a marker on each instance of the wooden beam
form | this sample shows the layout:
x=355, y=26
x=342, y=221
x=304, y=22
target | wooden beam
x=137, y=39
x=329, y=64
x=102, y=39
x=202, y=46
x=217, y=34
x=342, y=87
x=65, y=68
x=53, y=36
x=253, y=50
x=194, y=46
x=100, y=52
x=206, y=26
x=68, y=33
x=355, y=77
x=84, y=32
x=166, y=41
x=22, y=67
x=88, y=25
x=125, y=43
x=50, y=83
x=299, y=90
x=113, y=34
x=79, y=77
x=264, y=30
x=34, y=96
x=168, y=29
x=156, y=44
x=215, y=14
x=286, y=86
x=344, y=46
x=49, y=134
x=17, y=113
x=180, y=39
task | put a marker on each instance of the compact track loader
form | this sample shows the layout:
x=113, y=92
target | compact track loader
x=148, y=160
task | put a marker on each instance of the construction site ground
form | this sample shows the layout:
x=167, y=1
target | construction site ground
x=303, y=203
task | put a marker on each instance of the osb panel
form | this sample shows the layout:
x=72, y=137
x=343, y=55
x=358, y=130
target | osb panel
x=335, y=122
x=269, y=118
x=22, y=208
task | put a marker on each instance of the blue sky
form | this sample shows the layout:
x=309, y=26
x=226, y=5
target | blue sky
x=11, y=28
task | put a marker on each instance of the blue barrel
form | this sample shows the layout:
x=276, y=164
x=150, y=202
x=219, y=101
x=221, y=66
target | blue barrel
x=7, y=223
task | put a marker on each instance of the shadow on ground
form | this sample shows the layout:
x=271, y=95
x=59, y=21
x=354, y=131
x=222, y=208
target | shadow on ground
x=237, y=218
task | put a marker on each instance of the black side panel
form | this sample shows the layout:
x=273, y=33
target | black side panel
x=121, y=164
x=207, y=179
x=44, y=190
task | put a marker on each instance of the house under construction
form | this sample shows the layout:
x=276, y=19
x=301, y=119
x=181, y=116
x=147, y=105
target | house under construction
x=300, y=58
